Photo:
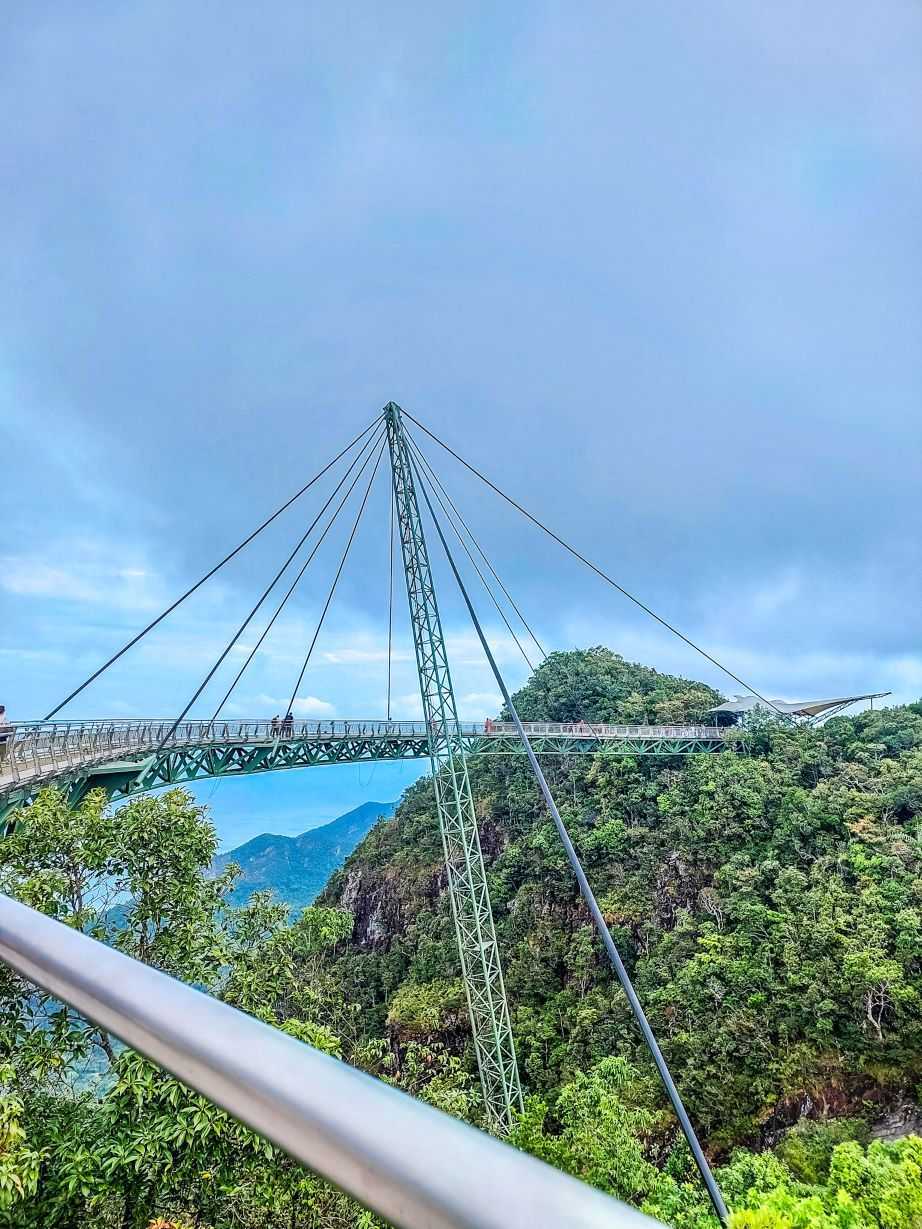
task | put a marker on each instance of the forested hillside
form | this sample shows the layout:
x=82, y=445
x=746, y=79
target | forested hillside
x=767, y=900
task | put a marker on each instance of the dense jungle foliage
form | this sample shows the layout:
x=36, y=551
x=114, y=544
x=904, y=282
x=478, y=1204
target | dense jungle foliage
x=767, y=902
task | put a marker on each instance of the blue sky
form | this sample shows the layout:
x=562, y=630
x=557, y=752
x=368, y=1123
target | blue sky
x=656, y=268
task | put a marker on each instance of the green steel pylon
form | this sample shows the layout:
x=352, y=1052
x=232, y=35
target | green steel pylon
x=467, y=876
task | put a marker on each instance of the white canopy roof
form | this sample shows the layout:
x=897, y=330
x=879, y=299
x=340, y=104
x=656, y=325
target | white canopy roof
x=797, y=708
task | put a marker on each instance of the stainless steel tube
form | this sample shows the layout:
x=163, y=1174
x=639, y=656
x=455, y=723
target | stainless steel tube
x=412, y=1164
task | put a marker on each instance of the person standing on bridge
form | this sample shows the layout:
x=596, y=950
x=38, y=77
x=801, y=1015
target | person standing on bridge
x=6, y=733
x=288, y=724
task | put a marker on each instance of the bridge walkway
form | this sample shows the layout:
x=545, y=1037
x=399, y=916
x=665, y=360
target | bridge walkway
x=130, y=756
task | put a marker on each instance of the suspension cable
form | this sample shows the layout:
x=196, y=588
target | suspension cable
x=433, y=476
x=434, y=479
x=594, y=568
x=342, y=564
x=304, y=566
x=483, y=580
x=239, y=632
x=208, y=575
x=390, y=600
x=588, y=895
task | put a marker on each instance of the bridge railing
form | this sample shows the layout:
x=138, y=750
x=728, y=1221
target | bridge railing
x=32, y=749
x=413, y=1165
x=595, y=729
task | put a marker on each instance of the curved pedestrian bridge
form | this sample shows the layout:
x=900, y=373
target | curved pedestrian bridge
x=131, y=756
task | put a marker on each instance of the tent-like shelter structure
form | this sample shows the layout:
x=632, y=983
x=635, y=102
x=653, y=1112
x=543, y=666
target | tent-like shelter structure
x=809, y=711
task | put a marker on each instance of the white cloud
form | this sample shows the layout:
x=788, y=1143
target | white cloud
x=357, y=657
x=32, y=578
x=465, y=649
x=34, y=655
x=768, y=598
x=409, y=706
x=81, y=571
x=311, y=706
x=475, y=705
x=304, y=706
x=472, y=705
x=904, y=674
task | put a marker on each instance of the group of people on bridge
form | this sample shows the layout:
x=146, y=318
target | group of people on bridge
x=283, y=727
x=566, y=727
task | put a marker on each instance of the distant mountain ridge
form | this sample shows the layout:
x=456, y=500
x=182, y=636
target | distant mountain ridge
x=297, y=868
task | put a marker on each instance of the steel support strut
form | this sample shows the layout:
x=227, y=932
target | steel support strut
x=467, y=877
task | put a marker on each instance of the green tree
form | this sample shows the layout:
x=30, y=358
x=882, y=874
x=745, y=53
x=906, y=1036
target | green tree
x=19, y=1163
x=131, y=1142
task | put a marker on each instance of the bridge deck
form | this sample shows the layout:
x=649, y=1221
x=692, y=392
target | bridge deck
x=129, y=756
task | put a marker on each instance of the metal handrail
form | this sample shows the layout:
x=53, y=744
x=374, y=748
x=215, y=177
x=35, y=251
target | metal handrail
x=338, y=726
x=28, y=748
x=408, y=1162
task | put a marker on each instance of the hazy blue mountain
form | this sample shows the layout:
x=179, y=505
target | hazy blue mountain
x=298, y=867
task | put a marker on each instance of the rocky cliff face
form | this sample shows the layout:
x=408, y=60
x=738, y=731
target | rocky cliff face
x=374, y=900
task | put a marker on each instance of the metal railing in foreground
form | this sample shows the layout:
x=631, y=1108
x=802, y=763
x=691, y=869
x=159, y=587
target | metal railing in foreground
x=413, y=1165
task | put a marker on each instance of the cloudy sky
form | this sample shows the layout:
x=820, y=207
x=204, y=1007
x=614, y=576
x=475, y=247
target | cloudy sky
x=655, y=268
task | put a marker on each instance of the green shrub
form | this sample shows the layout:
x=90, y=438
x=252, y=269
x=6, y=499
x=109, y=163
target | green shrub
x=420, y=1008
x=807, y=1148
